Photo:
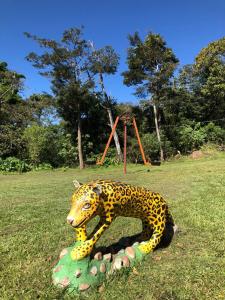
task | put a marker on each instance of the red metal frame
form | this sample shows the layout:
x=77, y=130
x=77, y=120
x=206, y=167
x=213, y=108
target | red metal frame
x=126, y=117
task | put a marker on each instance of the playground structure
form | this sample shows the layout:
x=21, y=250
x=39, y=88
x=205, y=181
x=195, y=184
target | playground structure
x=127, y=119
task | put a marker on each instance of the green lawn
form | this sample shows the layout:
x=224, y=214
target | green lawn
x=33, y=209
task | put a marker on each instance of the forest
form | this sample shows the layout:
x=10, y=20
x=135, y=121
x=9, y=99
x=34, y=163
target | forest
x=179, y=109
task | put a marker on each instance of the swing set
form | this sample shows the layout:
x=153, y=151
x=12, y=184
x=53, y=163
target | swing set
x=127, y=118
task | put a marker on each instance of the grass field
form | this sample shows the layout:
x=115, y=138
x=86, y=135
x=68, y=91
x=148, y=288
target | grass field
x=33, y=209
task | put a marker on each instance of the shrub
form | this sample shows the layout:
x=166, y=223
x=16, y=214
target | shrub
x=214, y=134
x=13, y=164
x=194, y=136
x=43, y=166
x=191, y=138
x=111, y=158
x=151, y=146
x=67, y=153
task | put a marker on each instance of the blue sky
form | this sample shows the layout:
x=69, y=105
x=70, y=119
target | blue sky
x=187, y=26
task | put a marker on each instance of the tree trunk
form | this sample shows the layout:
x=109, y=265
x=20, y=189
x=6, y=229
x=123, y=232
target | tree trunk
x=158, y=133
x=115, y=136
x=79, y=139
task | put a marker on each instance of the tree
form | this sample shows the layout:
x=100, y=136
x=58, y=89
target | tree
x=14, y=114
x=42, y=108
x=151, y=65
x=105, y=61
x=210, y=68
x=10, y=85
x=65, y=62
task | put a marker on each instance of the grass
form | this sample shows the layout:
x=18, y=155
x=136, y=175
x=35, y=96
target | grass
x=33, y=209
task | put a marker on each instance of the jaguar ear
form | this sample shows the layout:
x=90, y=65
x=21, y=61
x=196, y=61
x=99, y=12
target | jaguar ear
x=97, y=189
x=77, y=184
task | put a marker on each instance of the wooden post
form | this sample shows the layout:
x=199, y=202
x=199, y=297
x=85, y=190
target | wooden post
x=108, y=143
x=139, y=141
x=125, y=149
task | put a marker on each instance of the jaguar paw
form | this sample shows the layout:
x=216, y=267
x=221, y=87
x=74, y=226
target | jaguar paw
x=80, y=252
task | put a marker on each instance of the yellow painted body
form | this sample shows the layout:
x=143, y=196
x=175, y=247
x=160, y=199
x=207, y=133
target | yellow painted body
x=110, y=199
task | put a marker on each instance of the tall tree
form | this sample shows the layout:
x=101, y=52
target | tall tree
x=105, y=61
x=10, y=85
x=14, y=115
x=42, y=108
x=210, y=68
x=151, y=65
x=65, y=62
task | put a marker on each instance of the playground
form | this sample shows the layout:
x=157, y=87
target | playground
x=33, y=214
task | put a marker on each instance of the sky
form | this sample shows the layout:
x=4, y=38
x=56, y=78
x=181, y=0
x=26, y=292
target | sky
x=186, y=25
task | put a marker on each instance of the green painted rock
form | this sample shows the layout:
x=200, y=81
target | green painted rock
x=81, y=275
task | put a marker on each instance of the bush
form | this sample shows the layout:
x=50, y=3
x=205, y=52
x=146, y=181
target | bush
x=111, y=158
x=13, y=164
x=43, y=166
x=151, y=146
x=191, y=138
x=67, y=153
x=194, y=136
x=214, y=134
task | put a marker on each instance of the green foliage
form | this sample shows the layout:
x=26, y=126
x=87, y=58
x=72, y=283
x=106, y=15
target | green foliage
x=42, y=144
x=111, y=158
x=41, y=108
x=210, y=67
x=151, y=148
x=43, y=166
x=214, y=133
x=67, y=152
x=13, y=164
x=151, y=64
x=150, y=145
x=104, y=61
x=37, y=143
x=10, y=84
x=191, y=137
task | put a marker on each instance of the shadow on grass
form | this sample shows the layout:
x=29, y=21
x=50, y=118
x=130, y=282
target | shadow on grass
x=128, y=241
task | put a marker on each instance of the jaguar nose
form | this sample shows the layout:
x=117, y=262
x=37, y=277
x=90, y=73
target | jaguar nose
x=70, y=220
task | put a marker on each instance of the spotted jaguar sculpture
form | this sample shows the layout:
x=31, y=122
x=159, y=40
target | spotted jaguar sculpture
x=109, y=199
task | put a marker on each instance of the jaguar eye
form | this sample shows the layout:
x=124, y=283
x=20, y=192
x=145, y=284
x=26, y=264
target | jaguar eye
x=87, y=206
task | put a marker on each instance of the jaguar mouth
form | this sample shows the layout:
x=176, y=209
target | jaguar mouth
x=80, y=224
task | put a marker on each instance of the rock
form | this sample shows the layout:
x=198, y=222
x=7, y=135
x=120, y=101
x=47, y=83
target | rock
x=57, y=269
x=102, y=268
x=136, y=244
x=107, y=256
x=114, y=257
x=94, y=271
x=65, y=282
x=98, y=256
x=77, y=273
x=197, y=154
x=84, y=286
x=117, y=265
x=175, y=228
x=63, y=253
x=130, y=252
x=121, y=251
x=125, y=261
